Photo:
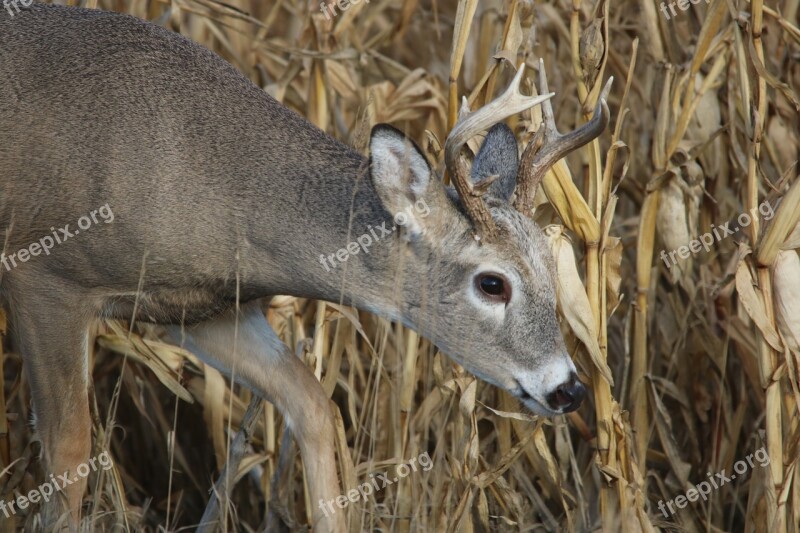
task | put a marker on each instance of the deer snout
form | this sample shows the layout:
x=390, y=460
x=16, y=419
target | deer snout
x=551, y=388
x=567, y=396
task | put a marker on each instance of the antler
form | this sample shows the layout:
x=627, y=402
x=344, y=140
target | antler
x=548, y=145
x=469, y=124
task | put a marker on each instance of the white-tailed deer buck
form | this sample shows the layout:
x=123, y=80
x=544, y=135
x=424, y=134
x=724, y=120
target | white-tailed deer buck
x=222, y=195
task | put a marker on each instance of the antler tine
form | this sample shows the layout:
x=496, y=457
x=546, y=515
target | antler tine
x=468, y=125
x=548, y=145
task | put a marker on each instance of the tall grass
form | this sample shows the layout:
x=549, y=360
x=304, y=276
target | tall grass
x=691, y=367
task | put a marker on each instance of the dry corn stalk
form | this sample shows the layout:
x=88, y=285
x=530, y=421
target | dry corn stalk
x=572, y=300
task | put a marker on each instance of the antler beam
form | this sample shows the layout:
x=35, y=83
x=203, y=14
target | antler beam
x=469, y=124
x=549, y=146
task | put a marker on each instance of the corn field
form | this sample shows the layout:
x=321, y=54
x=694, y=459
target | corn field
x=691, y=353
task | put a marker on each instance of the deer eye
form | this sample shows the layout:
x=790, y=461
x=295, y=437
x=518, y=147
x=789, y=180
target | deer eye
x=495, y=287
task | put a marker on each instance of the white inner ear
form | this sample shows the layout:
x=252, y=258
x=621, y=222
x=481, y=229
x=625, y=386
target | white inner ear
x=397, y=163
x=402, y=177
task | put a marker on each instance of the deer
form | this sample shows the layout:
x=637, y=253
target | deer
x=224, y=198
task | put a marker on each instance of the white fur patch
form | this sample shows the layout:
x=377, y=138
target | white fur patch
x=540, y=382
x=393, y=156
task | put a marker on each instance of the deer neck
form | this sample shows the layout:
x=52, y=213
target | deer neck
x=335, y=240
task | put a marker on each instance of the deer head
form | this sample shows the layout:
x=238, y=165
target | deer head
x=486, y=294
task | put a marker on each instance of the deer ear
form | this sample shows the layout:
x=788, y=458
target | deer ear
x=498, y=156
x=401, y=175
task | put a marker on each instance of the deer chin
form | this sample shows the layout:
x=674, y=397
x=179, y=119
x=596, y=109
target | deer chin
x=533, y=405
x=532, y=388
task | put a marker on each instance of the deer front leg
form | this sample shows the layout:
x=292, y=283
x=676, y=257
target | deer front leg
x=267, y=366
x=49, y=328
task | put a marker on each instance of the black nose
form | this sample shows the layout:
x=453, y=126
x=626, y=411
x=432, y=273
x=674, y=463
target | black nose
x=567, y=396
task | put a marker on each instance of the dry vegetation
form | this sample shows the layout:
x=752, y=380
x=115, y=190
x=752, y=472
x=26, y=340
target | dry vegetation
x=691, y=368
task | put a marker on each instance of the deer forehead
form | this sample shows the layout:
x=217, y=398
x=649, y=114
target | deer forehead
x=525, y=244
x=522, y=255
